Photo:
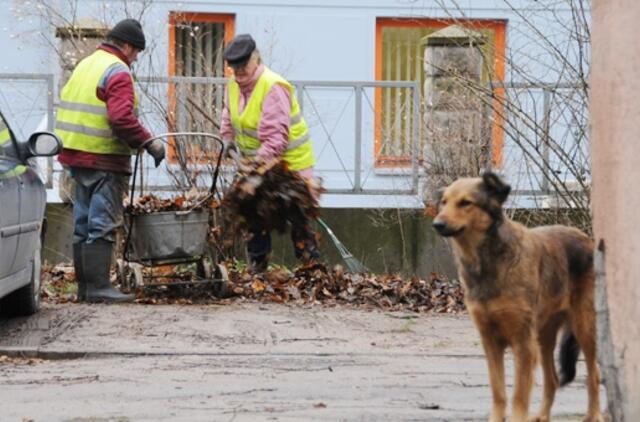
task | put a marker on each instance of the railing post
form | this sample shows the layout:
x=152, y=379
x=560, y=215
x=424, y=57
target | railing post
x=300, y=95
x=358, y=135
x=546, y=123
x=416, y=133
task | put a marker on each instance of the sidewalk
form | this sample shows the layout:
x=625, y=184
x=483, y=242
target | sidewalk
x=249, y=362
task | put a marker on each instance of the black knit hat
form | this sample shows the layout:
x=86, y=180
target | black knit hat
x=239, y=49
x=129, y=31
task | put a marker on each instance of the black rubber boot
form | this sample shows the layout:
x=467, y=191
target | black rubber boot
x=97, y=263
x=79, y=269
x=258, y=264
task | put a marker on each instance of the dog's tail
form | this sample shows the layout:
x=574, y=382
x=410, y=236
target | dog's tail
x=569, y=351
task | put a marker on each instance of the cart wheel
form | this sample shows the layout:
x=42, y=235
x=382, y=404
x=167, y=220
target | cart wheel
x=221, y=287
x=136, y=273
x=222, y=273
x=204, y=269
x=122, y=269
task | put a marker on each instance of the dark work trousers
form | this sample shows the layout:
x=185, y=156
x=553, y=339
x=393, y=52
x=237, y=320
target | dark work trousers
x=305, y=244
x=98, y=208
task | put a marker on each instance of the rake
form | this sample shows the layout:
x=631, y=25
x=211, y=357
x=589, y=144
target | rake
x=351, y=261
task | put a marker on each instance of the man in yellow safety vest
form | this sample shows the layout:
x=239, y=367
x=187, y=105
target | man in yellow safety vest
x=98, y=124
x=262, y=119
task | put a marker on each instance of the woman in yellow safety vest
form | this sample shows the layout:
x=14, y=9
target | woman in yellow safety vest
x=262, y=119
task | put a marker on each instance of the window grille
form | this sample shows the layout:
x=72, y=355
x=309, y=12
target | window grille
x=198, y=52
x=401, y=58
x=401, y=61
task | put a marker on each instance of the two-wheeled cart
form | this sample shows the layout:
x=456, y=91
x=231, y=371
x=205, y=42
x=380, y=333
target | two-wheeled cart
x=164, y=238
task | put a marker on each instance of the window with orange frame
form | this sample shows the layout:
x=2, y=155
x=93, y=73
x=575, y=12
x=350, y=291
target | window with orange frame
x=399, y=57
x=196, y=44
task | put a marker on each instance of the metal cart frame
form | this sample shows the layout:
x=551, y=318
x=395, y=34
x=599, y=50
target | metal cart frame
x=170, y=237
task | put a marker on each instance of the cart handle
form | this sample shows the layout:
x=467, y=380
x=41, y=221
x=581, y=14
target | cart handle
x=170, y=134
x=162, y=137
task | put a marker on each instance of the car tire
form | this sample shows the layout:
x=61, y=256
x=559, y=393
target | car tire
x=26, y=300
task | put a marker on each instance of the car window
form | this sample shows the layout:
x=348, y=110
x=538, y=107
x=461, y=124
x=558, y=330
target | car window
x=6, y=146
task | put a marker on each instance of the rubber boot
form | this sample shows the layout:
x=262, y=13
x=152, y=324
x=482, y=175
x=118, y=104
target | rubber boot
x=79, y=269
x=258, y=264
x=97, y=263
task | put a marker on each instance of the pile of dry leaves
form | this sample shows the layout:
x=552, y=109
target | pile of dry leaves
x=317, y=285
x=312, y=285
x=270, y=193
x=275, y=196
x=192, y=200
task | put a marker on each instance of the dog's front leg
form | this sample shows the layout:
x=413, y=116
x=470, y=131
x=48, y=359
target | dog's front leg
x=494, y=351
x=525, y=354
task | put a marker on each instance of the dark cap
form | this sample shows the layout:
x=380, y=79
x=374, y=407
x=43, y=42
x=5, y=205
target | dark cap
x=239, y=49
x=129, y=31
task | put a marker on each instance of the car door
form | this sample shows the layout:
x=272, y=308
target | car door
x=9, y=201
x=32, y=199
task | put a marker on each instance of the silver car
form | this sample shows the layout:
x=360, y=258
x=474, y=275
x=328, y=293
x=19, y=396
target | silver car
x=22, y=203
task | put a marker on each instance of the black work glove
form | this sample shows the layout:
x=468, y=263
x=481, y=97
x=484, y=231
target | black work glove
x=229, y=149
x=156, y=150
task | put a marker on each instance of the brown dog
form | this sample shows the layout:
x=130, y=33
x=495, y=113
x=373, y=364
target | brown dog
x=521, y=286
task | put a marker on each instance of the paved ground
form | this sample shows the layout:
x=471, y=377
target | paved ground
x=248, y=362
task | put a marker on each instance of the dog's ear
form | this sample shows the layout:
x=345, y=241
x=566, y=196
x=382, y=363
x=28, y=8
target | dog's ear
x=495, y=186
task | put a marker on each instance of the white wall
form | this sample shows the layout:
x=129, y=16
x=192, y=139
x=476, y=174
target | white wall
x=304, y=40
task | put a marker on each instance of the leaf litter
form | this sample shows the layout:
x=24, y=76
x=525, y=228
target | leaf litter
x=315, y=285
x=276, y=196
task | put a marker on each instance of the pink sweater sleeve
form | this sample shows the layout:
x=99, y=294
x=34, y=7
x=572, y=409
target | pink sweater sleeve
x=274, y=123
x=226, y=130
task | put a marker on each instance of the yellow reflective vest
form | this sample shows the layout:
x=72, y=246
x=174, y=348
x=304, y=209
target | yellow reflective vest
x=299, y=152
x=81, y=120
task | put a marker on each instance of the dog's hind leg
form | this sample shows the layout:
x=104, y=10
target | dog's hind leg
x=584, y=325
x=494, y=352
x=547, y=341
x=525, y=353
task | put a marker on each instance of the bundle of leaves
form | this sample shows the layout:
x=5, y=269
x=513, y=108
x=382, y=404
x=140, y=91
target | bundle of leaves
x=270, y=194
x=190, y=200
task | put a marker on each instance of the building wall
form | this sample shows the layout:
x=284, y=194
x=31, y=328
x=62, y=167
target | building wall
x=385, y=241
x=615, y=111
x=303, y=40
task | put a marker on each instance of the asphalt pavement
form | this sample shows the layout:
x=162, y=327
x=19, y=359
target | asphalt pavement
x=249, y=362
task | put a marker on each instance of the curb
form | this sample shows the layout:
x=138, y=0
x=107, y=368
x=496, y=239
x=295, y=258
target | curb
x=34, y=352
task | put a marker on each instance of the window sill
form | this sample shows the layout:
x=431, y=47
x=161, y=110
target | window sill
x=399, y=170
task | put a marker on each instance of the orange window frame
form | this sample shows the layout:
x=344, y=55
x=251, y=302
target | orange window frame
x=175, y=18
x=228, y=19
x=497, y=132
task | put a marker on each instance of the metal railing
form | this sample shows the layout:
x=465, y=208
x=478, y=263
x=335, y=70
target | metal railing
x=360, y=175
x=545, y=121
x=354, y=173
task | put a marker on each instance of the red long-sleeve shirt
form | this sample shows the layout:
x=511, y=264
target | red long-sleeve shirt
x=117, y=91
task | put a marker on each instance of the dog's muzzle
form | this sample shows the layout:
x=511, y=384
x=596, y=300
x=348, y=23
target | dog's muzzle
x=444, y=230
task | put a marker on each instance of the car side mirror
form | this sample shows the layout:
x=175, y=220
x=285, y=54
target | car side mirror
x=44, y=144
